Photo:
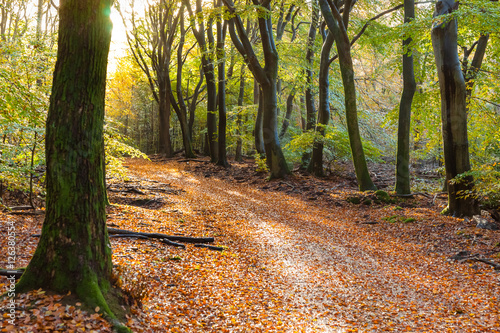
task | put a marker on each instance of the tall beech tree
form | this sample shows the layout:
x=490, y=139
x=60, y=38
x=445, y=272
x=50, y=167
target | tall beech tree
x=461, y=200
x=179, y=105
x=337, y=21
x=409, y=87
x=74, y=253
x=266, y=76
x=152, y=51
x=206, y=47
x=221, y=97
x=316, y=164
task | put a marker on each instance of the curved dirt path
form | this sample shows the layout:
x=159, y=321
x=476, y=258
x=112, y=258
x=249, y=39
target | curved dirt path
x=323, y=271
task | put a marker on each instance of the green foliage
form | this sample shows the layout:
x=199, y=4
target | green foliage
x=336, y=146
x=260, y=163
x=487, y=184
x=24, y=86
x=116, y=147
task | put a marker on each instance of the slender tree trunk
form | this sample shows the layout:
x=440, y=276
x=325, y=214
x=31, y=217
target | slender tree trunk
x=409, y=87
x=74, y=253
x=347, y=71
x=209, y=71
x=461, y=199
x=258, y=131
x=470, y=72
x=316, y=165
x=241, y=94
x=221, y=36
x=180, y=106
x=164, y=113
x=288, y=114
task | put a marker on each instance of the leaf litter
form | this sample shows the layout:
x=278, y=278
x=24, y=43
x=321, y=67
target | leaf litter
x=298, y=257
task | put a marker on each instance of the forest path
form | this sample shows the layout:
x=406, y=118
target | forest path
x=322, y=266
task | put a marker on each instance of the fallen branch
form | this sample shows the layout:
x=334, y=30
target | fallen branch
x=211, y=247
x=168, y=242
x=24, y=212
x=184, y=239
x=491, y=263
x=20, y=208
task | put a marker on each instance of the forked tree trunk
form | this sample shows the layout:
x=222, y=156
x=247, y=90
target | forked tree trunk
x=338, y=26
x=461, y=201
x=74, y=253
x=266, y=77
x=409, y=87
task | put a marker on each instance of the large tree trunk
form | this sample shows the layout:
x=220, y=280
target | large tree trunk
x=274, y=155
x=409, y=87
x=461, y=201
x=74, y=253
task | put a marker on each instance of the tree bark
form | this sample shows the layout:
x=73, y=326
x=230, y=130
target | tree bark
x=266, y=77
x=338, y=26
x=238, y=156
x=258, y=133
x=409, y=87
x=316, y=165
x=74, y=253
x=180, y=106
x=461, y=200
x=209, y=71
x=221, y=36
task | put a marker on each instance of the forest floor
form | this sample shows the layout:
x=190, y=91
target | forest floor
x=299, y=256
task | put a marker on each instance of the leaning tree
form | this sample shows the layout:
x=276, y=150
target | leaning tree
x=74, y=253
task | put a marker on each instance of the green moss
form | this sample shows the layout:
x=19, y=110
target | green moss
x=409, y=220
x=384, y=197
x=354, y=200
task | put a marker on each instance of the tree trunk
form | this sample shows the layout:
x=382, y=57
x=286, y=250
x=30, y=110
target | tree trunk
x=238, y=156
x=461, y=201
x=221, y=36
x=409, y=87
x=338, y=27
x=74, y=253
x=164, y=113
x=288, y=114
x=180, y=106
x=209, y=71
x=258, y=132
x=316, y=165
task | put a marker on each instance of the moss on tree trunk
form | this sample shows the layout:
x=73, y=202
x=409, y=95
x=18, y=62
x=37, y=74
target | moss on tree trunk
x=74, y=253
